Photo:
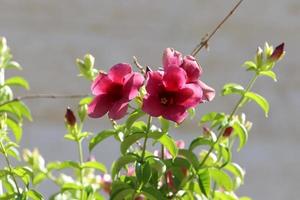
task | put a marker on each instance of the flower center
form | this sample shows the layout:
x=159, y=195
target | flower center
x=164, y=100
x=116, y=91
x=167, y=99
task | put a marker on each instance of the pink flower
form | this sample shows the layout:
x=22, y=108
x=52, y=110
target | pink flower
x=114, y=90
x=192, y=69
x=169, y=95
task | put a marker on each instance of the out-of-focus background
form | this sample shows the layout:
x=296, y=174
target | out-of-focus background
x=47, y=36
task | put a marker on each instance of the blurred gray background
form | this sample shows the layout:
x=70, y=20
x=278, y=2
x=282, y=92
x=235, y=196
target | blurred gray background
x=47, y=36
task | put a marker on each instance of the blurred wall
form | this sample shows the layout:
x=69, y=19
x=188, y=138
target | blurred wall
x=47, y=36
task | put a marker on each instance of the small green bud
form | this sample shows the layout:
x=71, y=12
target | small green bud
x=82, y=111
x=89, y=61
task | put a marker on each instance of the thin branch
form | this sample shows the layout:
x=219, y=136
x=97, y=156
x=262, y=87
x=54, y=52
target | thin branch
x=138, y=65
x=205, y=39
x=45, y=96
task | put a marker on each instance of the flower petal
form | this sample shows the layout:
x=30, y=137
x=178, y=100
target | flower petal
x=171, y=58
x=190, y=95
x=119, y=109
x=132, y=85
x=192, y=69
x=99, y=106
x=119, y=71
x=152, y=106
x=174, y=78
x=176, y=113
x=101, y=84
x=154, y=82
x=208, y=92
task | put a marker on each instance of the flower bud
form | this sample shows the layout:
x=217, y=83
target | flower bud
x=278, y=52
x=228, y=131
x=105, y=183
x=70, y=117
x=91, y=158
x=170, y=180
x=140, y=197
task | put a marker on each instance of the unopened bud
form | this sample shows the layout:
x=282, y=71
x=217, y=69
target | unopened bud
x=140, y=197
x=228, y=131
x=91, y=158
x=70, y=117
x=105, y=183
x=277, y=53
x=206, y=131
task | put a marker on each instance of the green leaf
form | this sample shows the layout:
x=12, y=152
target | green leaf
x=95, y=165
x=86, y=100
x=13, y=152
x=16, y=129
x=221, y=178
x=13, y=65
x=200, y=141
x=261, y=101
x=100, y=137
x=7, y=196
x=17, y=108
x=224, y=153
x=232, y=88
x=71, y=186
x=242, y=133
x=123, y=194
x=62, y=165
x=236, y=170
x=212, y=116
x=225, y=196
x=34, y=195
x=204, y=181
x=17, y=81
x=167, y=142
x=130, y=140
x=121, y=162
x=165, y=124
x=270, y=74
x=133, y=117
x=250, y=65
x=190, y=156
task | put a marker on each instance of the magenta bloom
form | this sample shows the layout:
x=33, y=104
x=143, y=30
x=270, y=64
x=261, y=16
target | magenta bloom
x=169, y=95
x=114, y=90
x=172, y=91
x=192, y=69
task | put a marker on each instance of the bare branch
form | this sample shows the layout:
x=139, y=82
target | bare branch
x=45, y=96
x=205, y=39
x=138, y=65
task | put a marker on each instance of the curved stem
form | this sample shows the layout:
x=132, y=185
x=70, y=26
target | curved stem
x=146, y=138
x=235, y=109
x=10, y=168
x=81, y=162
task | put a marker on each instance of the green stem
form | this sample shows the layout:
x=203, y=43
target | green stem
x=10, y=168
x=162, y=152
x=235, y=109
x=146, y=138
x=81, y=163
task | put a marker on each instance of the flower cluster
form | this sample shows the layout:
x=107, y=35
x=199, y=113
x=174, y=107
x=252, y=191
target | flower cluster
x=170, y=92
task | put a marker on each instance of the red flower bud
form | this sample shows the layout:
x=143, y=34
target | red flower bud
x=228, y=131
x=170, y=180
x=184, y=171
x=70, y=117
x=140, y=197
x=278, y=52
